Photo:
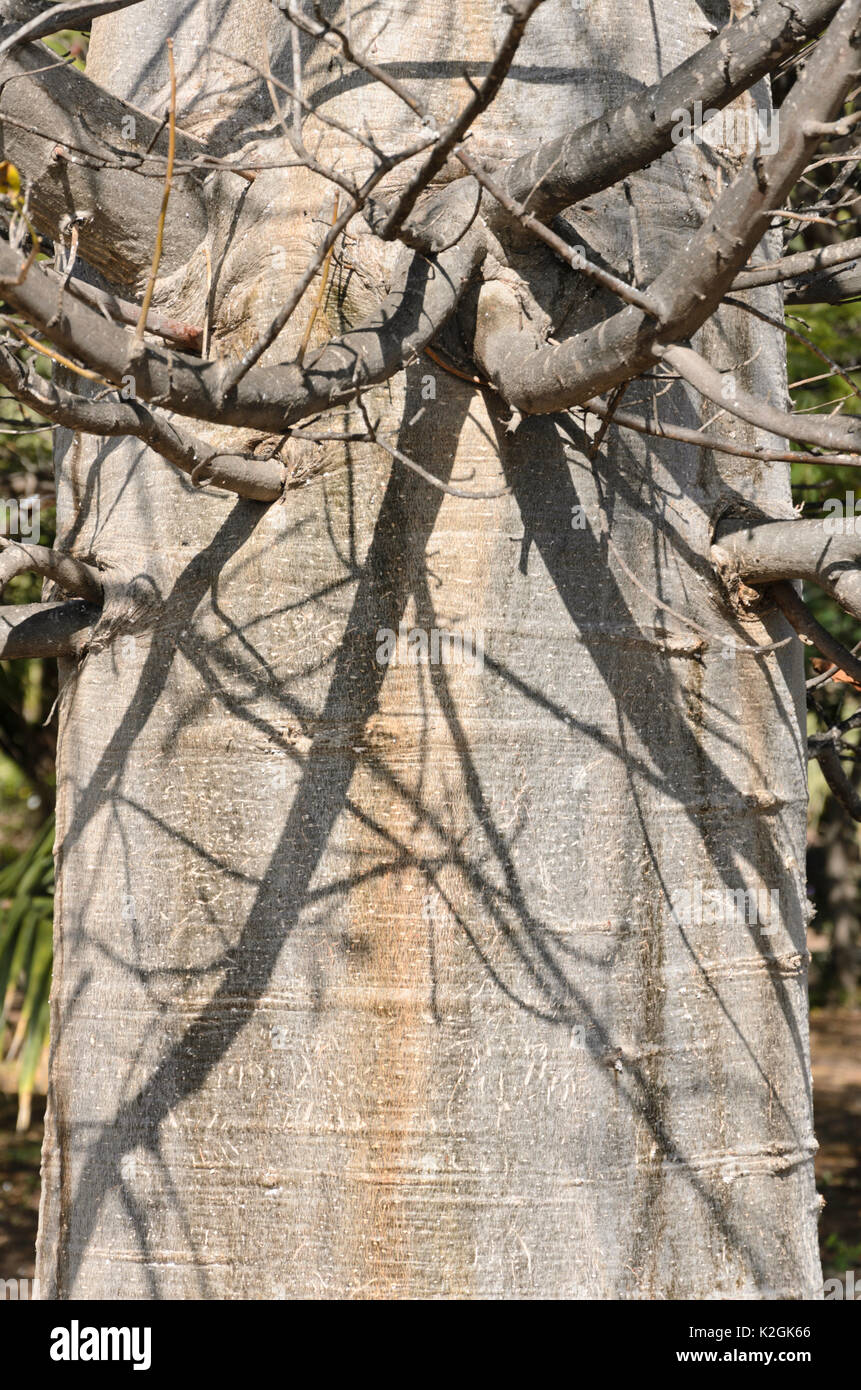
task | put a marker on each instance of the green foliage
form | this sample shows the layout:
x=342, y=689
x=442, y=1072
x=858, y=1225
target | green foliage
x=26, y=926
x=69, y=43
x=27, y=693
x=836, y=331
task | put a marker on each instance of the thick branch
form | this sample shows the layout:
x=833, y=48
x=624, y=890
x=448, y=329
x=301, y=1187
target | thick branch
x=79, y=150
x=763, y=552
x=71, y=575
x=268, y=398
x=261, y=480
x=539, y=378
x=826, y=431
x=597, y=155
x=45, y=629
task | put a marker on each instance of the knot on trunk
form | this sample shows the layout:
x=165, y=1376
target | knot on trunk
x=132, y=604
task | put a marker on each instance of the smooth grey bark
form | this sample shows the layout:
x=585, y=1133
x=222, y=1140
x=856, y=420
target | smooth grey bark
x=370, y=981
x=56, y=108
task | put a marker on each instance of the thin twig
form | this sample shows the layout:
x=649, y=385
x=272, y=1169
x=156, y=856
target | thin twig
x=321, y=292
x=168, y=179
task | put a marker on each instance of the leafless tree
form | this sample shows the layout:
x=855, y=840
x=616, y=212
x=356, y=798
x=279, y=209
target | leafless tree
x=375, y=975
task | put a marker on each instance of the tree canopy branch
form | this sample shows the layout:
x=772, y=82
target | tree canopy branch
x=763, y=551
x=538, y=378
x=268, y=398
x=261, y=480
x=45, y=629
x=73, y=575
x=826, y=431
x=81, y=150
x=578, y=165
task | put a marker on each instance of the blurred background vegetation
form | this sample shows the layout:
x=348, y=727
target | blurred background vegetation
x=28, y=691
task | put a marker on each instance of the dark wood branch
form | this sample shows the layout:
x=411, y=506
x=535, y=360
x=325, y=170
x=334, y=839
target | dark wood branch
x=268, y=398
x=564, y=171
x=538, y=378
x=799, y=616
x=58, y=109
x=663, y=429
x=826, y=275
x=45, y=629
x=838, y=782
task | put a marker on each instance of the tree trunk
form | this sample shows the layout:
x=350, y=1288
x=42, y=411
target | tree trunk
x=378, y=979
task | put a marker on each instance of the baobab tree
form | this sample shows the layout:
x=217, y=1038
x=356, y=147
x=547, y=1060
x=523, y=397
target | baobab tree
x=430, y=914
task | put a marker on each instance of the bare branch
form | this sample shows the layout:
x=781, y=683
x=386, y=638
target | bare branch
x=188, y=336
x=45, y=629
x=838, y=782
x=76, y=14
x=269, y=398
x=828, y=432
x=538, y=378
x=71, y=574
x=796, y=612
x=762, y=551
x=592, y=158
x=661, y=429
x=261, y=480
x=825, y=275
x=47, y=110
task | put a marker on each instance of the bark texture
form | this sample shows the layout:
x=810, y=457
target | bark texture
x=372, y=980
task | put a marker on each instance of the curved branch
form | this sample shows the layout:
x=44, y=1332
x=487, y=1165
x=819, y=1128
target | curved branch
x=50, y=115
x=261, y=480
x=45, y=629
x=660, y=429
x=537, y=378
x=576, y=166
x=268, y=398
x=761, y=551
x=829, y=432
x=69, y=573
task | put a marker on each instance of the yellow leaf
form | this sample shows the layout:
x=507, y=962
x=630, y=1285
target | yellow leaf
x=10, y=180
